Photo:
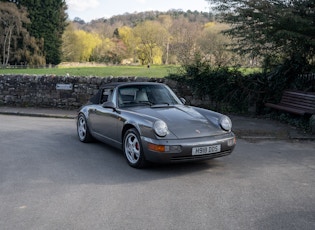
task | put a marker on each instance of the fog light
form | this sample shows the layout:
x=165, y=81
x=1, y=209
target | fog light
x=173, y=148
x=164, y=148
x=232, y=142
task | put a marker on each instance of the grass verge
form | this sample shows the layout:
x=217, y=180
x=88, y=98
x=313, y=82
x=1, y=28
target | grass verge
x=104, y=71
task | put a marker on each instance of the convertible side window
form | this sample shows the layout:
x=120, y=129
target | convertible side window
x=106, y=95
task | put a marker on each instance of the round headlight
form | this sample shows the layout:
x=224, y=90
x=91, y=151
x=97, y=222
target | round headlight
x=160, y=128
x=226, y=123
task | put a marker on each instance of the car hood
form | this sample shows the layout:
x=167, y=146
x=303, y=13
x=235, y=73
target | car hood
x=184, y=121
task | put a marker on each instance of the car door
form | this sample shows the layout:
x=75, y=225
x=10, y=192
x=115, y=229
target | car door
x=104, y=121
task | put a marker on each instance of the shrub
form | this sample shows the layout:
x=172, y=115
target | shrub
x=227, y=88
x=232, y=91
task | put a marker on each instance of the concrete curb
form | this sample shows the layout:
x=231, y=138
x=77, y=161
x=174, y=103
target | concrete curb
x=32, y=112
x=38, y=115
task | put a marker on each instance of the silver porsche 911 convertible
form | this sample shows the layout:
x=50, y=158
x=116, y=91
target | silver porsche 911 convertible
x=149, y=123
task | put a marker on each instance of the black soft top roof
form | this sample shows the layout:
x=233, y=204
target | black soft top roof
x=97, y=97
x=115, y=84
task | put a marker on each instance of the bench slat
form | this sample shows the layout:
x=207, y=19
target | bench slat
x=286, y=108
x=301, y=105
x=310, y=99
x=301, y=94
x=296, y=102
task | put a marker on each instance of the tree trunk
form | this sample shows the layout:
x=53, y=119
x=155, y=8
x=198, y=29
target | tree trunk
x=9, y=44
x=167, y=51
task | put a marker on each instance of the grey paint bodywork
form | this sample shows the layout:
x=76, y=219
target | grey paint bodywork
x=188, y=126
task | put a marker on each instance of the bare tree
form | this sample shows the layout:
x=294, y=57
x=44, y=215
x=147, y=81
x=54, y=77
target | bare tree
x=213, y=45
x=166, y=22
x=11, y=25
x=184, y=42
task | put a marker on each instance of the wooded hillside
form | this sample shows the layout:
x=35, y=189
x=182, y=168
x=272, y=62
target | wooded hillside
x=153, y=37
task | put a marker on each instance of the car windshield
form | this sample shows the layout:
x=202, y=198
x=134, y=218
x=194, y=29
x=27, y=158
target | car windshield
x=146, y=95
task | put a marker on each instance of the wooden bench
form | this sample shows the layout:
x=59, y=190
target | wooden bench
x=296, y=102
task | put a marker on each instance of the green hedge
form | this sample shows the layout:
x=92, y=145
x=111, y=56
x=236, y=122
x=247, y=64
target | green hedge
x=230, y=90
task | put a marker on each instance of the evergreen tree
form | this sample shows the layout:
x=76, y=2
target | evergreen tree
x=48, y=22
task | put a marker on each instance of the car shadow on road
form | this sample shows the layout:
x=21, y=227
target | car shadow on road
x=99, y=163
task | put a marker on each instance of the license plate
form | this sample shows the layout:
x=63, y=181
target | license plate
x=206, y=150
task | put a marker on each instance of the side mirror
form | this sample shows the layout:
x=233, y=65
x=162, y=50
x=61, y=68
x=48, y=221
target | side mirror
x=109, y=105
x=183, y=100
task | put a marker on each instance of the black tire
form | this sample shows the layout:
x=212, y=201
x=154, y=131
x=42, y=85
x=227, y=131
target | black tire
x=133, y=150
x=83, y=129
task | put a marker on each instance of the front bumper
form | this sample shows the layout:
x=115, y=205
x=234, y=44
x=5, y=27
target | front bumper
x=226, y=141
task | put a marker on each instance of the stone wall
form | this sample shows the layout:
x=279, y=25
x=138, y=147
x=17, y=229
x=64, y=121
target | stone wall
x=68, y=92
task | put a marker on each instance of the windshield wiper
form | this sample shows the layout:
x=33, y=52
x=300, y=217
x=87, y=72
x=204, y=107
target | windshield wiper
x=145, y=102
x=162, y=104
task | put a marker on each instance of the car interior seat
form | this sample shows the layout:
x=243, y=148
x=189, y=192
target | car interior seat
x=141, y=96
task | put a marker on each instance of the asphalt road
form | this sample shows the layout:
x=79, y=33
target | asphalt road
x=49, y=180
